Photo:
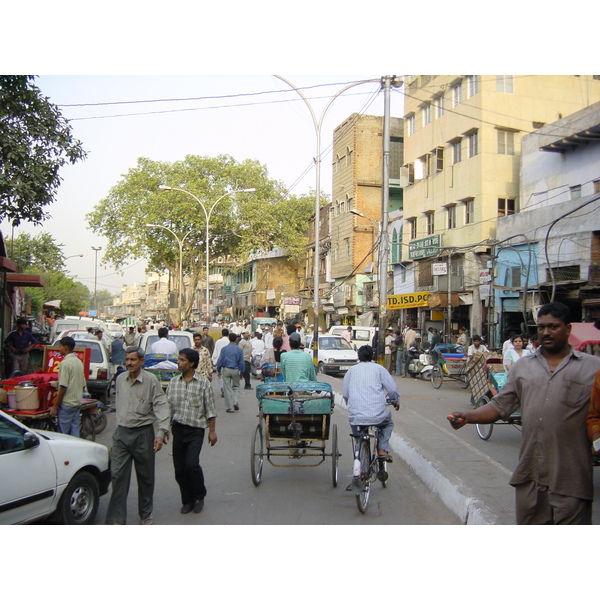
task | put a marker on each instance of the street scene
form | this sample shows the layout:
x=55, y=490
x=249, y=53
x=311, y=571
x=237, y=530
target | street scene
x=404, y=332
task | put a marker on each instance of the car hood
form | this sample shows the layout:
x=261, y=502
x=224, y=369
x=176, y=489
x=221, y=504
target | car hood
x=339, y=354
x=78, y=452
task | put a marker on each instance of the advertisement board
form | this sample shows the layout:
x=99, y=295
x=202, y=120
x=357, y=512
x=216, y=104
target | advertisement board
x=407, y=300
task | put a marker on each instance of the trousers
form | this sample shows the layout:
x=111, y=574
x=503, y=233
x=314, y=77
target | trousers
x=187, y=444
x=385, y=429
x=231, y=386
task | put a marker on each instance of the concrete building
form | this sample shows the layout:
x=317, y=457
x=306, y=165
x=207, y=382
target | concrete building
x=550, y=249
x=462, y=148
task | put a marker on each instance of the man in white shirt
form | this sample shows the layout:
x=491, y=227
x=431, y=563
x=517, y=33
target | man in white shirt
x=164, y=345
x=347, y=334
x=219, y=345
x=268, y=337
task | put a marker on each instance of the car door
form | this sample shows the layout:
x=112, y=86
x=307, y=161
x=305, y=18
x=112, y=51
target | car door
x=28, y=475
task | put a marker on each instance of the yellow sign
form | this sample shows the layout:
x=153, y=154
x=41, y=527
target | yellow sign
x=407, y=300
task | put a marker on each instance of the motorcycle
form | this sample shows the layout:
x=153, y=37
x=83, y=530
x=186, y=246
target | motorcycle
x=420, y=363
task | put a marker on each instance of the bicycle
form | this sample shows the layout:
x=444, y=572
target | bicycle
x=368, y=465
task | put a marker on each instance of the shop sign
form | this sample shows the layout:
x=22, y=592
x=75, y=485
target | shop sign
x=429, y=246
x=407, y=300
x=439, y=268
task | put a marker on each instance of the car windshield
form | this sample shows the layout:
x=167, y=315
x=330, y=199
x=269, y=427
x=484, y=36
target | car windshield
x=333, y=343
x=181, y=341
x=96, y=351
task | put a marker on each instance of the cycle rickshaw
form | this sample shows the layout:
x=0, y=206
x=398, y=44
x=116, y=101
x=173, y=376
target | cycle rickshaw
x=450, y=362
x=294, y=426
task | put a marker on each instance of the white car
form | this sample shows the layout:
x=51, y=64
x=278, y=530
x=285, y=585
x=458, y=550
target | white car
x=182, y=339
x=335, y=356
x=44, y=474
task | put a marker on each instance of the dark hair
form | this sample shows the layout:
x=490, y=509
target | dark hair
x=477, y=337
x=290, y=329
x=197, y=335
x=225, y=332
x=557, y=310
x=67, y=342
x=192, y=355
x=163, y=332
x=295, y=342
x=518, y=336
x=277, y=342
x=233, y=337
x=21, y=321
x=365, y=353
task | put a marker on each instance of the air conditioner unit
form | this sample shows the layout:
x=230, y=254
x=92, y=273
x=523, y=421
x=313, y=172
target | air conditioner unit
x=404, y=181
x=369, y=267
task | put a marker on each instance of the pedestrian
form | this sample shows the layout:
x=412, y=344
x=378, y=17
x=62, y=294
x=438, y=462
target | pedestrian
x=477, y=347
x=515, y=353
x=71, y=385
x=297, y=365
x=389, y=349
x=246, y=347
x=117, y=354
x=100, y=335
x=508, y=343
x=130, y=336
x=347, y=333
x=409, y=338
x=219, y=345
x=463, y=339
x=270, y=362
x=20, y=341
x=436, y=338
x=230, y=368
x=268, y=337
x=164, y=345
x=141, y=407
x=207, y=340
x=192, y=408
x=399, y=341
x=205, y=366
x=553, y=480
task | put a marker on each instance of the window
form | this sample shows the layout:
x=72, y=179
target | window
x=426, y=109
x=568, y=273
x=469, y=211
x=439, y=159
x=412, y=228
x=347, y=247
x=348, y=156
x=506, y=206
x=430, y=224
x=504, y=84
x=452, y=217
x=411, y=172
x=410, y=124
x=473, y=142
x=456, y=94
x=597, y=186
x=438, y=103
x=472, y=85
x=396, y=246
x=456, y=152
x=506, y=142
x=575, y=192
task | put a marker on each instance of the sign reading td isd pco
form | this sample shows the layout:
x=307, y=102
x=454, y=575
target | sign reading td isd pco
x=407, y=300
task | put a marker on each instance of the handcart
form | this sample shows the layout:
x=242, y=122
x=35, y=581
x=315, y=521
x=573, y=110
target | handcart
x=294, y=425
x=487, y=378
x=450, y=362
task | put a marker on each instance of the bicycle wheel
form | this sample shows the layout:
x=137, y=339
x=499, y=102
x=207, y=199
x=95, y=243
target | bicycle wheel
x=484, y=430
x=256, y=457
x=437, y=377
x=463, y=381
x=334, y=455
x=364, y=456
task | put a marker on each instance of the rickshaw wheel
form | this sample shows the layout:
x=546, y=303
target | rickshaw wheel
x=463, y=381
x=256, y=458
x=437, y=377
x=484, y=430
x=334, y=455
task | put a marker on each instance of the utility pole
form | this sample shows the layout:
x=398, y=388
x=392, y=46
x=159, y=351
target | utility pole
x=386, y=83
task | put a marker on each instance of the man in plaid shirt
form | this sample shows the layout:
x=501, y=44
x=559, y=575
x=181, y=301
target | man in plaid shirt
x=192, y=407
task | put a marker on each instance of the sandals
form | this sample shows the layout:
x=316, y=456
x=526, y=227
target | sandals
x=147, y=521
x=230, y=410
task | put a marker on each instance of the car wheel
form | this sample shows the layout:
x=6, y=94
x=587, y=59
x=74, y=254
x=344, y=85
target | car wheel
x=321, y=368
x=79, y=502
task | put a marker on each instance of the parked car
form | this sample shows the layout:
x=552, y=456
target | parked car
x=47, y=474
x=98, y=382
x=75, y=324
x=360, y=335
x=183, y=339
x=335, y=355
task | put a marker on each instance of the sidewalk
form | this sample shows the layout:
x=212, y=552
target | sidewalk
x=480, y=495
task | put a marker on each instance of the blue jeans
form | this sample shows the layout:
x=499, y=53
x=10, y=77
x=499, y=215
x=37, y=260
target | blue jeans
x=385, y=429
x=68, y=420
x=399, y=361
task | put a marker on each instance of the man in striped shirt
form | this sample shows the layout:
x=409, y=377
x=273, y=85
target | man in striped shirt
x=365, y=388
x=192, y=407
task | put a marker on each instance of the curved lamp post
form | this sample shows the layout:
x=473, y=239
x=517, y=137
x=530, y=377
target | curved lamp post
x=180, y=242
x=207, y=215
x=96, y=250
x=318, y=128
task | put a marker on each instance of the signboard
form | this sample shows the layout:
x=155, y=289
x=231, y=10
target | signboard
x=407, y=300
x=53, y=358
x=429, y=246
x=292, y=301
x=439, y=268
x=485, y=276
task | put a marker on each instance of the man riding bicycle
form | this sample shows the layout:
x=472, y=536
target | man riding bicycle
x=366, y=389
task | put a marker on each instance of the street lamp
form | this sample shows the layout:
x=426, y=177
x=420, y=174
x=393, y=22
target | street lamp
x=207, y=215
x=318, y=125
x=76, y=255
x=180, y=242
x=96, y=250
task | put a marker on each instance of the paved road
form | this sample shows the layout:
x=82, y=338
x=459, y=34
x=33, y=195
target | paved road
x=286, y=496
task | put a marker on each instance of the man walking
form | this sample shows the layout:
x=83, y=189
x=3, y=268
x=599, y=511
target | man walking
x=205, y=366
x=141, y=407
x=246, y=347
x=409, y=338
x=297, y=365
x=20, y=341
x=219, y=345
x=71, y=383
x=230, y=367
x=553, y=480
x=192, y=408
x=207, y=340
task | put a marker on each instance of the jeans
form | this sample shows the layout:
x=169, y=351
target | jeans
x=187, y=444
x=68, y=419
x=399, y=361
x=385, y=429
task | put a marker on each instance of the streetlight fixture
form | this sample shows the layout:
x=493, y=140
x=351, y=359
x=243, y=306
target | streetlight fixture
x=75, y=256
x=207, y=215
x=96, y=250
x=318, y=128
x=180, y=242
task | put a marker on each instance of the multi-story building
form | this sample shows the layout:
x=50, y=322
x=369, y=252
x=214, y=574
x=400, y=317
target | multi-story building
x=355, y=215
x=462, y=146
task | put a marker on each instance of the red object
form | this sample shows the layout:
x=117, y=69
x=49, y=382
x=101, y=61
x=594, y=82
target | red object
x=53, y=357
x=583, y=334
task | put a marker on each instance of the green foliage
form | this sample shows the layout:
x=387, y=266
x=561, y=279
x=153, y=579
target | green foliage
x=38, y=252
x=74, y=295
x=35, y=142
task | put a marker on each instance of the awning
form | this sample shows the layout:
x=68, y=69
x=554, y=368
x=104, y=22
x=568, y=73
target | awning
x=53, y=303
x=24, y=280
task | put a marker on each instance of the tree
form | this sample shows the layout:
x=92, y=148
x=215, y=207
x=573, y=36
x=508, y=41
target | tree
x=239, y=224
x=35, y=142
x=38, y=252
x=74, y=295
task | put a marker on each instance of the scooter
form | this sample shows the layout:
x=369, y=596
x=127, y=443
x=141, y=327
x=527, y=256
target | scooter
x=420, y=363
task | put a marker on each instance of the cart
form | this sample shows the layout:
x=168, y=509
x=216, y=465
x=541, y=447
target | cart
x=487, y=378
x=451, y=363
x=294, y=425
